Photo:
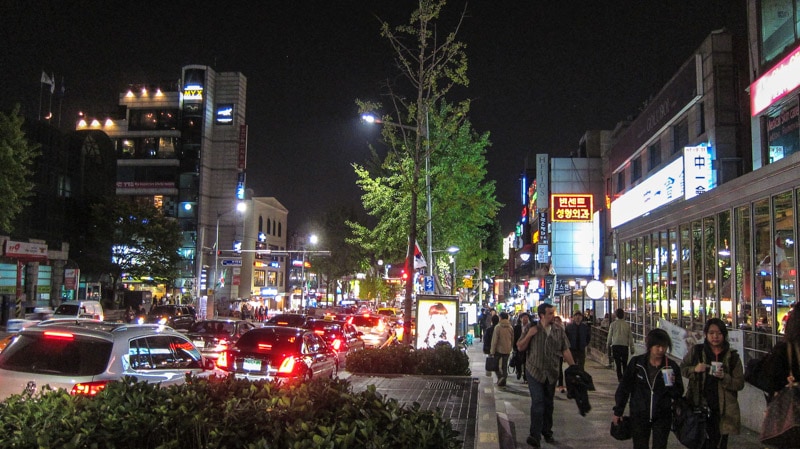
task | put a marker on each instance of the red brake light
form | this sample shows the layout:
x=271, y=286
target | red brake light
x=337, y=344
x=59, y=335
x=88, y=388
x=265, y=346
x=320, y=332
x=287, y=366
x=366, y=315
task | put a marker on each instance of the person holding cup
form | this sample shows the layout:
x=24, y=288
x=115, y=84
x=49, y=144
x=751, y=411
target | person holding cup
x=715, y=376
x=651, y=383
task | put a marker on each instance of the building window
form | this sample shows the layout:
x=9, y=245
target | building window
x=779, y=27
x=636, y=169
x=64, y=186
x=680, y=135
x=620, y=182
x=654, y=155
x=782, y=131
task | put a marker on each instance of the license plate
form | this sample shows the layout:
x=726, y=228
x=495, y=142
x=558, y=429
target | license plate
x=251, y=365
x=200, y=344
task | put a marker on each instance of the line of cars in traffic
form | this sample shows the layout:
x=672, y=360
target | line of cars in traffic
x=82, y=355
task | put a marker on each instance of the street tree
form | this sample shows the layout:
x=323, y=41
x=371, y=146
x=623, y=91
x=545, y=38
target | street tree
x=345, y=257
x=17, y=156
x=431, y=65
x=141, y=242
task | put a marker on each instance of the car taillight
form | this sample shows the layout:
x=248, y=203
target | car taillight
x=88, y=388
x=222, y=343
x=56, y=335
x=222, y=360
x=337, y=344
x=320, y=332
x=287, y=366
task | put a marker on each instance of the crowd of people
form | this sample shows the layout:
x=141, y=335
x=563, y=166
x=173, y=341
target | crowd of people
x=709, y=376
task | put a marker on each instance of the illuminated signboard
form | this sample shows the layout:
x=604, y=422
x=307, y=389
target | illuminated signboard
x=697, y=171
x=224, y=114
x=776, y=83
x=193, y=92
x=575, y=207
x=665, y=186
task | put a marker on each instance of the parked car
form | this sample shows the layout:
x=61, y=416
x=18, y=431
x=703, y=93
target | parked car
x=342, y=336
x=214, y=336
x=91, y=310
x=175, y=316
x=83, y=357
x=280, y=353
x=376, y=330
x=33, y=316
x=288, y=319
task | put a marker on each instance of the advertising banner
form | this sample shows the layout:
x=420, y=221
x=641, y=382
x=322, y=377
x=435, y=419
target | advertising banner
x=436, y=320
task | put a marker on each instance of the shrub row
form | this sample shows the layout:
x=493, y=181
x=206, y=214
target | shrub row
x=442, y=360
x=221, y=413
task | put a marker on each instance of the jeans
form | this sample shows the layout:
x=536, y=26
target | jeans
x=541, y=407
x=579, y=356
x=502, y=367
x=620, y=354
x=641, y=427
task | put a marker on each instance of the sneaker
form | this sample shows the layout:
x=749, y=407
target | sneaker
x=563, y=390
x=549, y=439
x=533, y=442
x=501, y=383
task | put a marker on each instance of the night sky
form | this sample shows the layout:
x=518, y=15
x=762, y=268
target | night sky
x=540, y=76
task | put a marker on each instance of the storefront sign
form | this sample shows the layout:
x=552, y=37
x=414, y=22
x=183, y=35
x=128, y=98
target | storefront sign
x=25, y=250
x=193, y=92
x=544, y=239
x=657, y=190
x=575, y=207
x=697, y=171
x=776, y=83
x=224, y=114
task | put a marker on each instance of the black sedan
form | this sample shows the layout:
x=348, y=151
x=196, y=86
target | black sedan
x=214, y=336
x=288, y=319
x=342, y=336
x=282, y=354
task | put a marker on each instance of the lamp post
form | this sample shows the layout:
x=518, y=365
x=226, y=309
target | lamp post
x=453, y=250
x=571, y=296
x=313, y=240
x=583, y=295
x=610, y=284
x=412, y=234
x=240, y=207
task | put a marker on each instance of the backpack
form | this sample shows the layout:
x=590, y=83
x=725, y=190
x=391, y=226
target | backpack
x=756, y=372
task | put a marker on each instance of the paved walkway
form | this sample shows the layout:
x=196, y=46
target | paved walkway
x=504, y=412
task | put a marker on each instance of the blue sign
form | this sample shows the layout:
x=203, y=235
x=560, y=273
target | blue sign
x=428, y=284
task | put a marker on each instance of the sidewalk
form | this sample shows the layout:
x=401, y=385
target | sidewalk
x=503, y=419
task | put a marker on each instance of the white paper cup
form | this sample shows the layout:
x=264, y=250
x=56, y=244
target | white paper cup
x=669, y=376
x=716, y=367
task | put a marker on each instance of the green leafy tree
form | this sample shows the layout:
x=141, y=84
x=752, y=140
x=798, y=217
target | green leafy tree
x=142, y=243
x=17, y=155
x=431, y=64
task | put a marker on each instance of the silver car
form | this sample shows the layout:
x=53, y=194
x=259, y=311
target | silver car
x=83, y=357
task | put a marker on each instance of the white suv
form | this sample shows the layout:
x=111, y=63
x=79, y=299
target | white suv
x=82, y=357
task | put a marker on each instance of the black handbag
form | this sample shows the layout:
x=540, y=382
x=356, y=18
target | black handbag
x=689, y=419
x=622, y=430
x=492, y=363
x=781, y=426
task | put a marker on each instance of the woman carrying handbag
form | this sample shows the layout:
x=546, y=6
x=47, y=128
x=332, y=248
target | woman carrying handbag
x=715, y=376
x=781, y=426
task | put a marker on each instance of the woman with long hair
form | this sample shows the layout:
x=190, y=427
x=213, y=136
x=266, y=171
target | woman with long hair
x=778, y=366
x=715, y=376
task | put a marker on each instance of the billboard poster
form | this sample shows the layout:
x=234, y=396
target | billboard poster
x=436, y=320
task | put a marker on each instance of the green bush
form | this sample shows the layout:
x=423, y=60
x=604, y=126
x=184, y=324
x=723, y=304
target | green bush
x=222, y=413
x=442, y=360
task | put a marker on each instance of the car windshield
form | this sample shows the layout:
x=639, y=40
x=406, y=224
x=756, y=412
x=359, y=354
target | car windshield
x=288, y=320
x=212, y=327
x=325, y=326
x=270, y=342
x=59, y=354
x=366, y=321
x=67, y=309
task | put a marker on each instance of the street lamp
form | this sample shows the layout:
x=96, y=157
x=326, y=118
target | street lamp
x=610, y=284
x=453, y=250
x=412, y=234
x=240, y=207
x=313, y=240
x=583, y=295
x=571, y=296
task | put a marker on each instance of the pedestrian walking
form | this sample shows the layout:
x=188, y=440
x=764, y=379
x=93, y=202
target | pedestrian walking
x=520, y=327
x=620, y=339
x=487, y=334
x=502, y=342
x=715, y=377
x=651, y=383
x=545, y=343
x=579, y=334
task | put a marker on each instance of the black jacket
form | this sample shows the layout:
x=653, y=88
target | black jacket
x=579, y=384
x=646, y=399
x=487, y=339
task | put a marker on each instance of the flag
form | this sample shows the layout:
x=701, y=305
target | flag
x=47, y=80
x=419, y=260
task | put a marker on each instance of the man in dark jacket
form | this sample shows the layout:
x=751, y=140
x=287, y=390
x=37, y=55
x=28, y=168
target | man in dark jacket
x=520, y=327
x=579, y=334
